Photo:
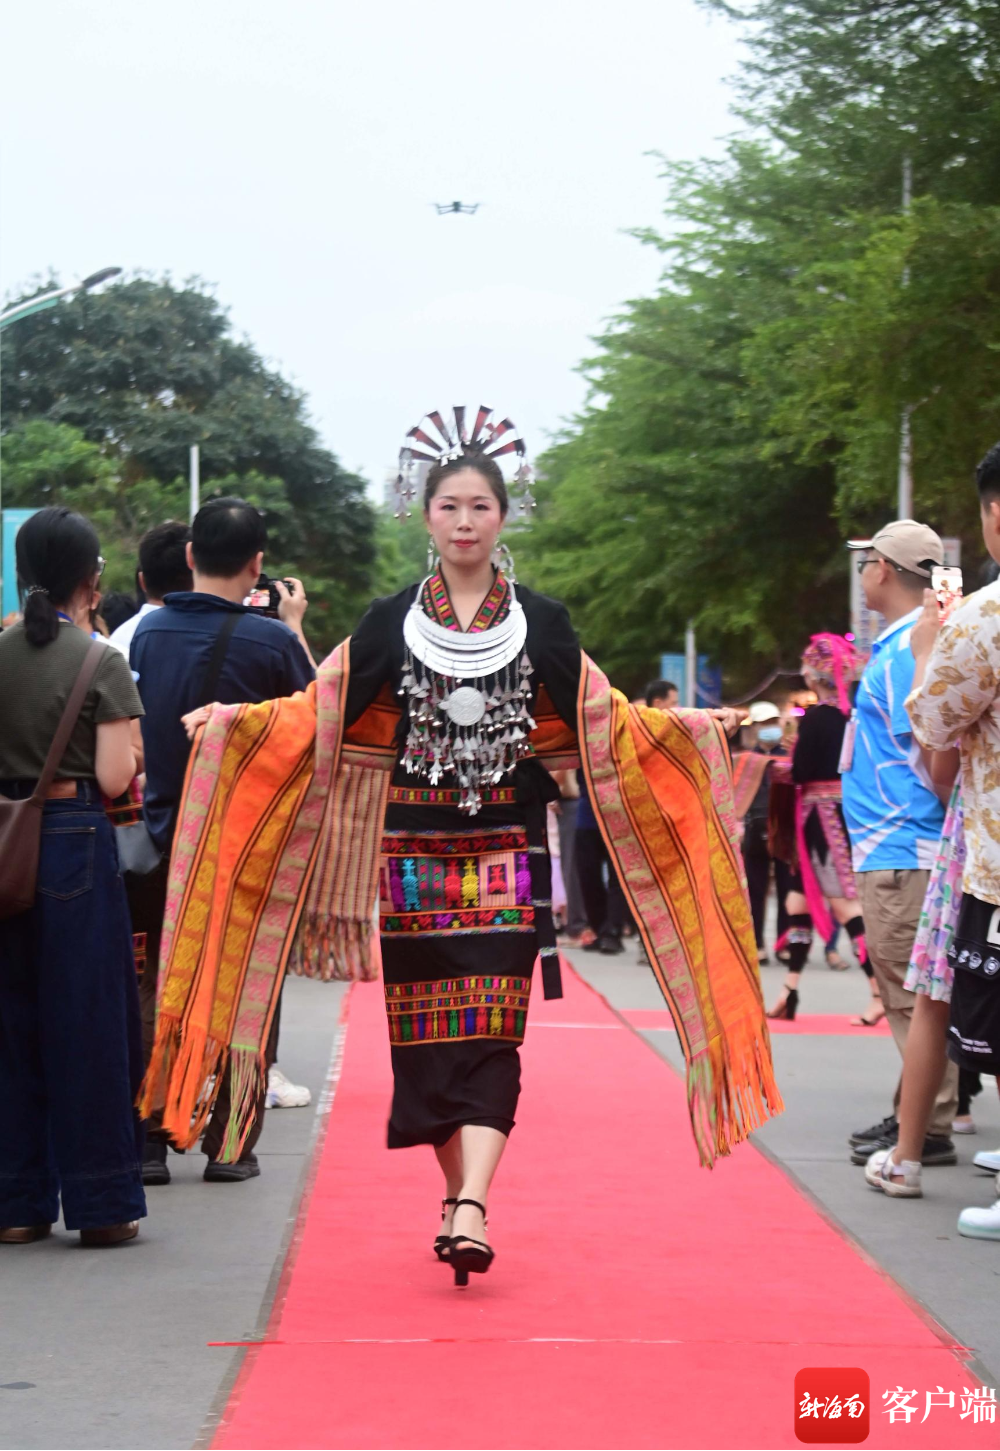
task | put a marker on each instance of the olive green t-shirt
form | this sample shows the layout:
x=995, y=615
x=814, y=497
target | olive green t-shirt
x=35, y=682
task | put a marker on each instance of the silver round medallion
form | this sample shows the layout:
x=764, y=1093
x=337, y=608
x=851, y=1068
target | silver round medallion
x=465, y=706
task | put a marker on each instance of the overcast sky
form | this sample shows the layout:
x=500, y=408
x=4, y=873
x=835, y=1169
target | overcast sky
x=290, y=154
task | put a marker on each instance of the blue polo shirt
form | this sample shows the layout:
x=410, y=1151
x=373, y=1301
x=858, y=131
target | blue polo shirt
x=893, y=819
x=170, y=654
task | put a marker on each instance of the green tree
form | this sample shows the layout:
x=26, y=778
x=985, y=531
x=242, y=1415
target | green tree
x=746, y=418
x=143, y=370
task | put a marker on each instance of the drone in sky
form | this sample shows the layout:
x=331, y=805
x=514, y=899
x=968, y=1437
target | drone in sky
x=458, y=208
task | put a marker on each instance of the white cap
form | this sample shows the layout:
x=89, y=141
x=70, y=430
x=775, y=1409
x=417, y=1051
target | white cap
x=762, y=710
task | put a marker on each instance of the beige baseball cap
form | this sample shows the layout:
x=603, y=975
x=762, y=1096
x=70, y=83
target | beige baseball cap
x=762, y=710
x=914, y=547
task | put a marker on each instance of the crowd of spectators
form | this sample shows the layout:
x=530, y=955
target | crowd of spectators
x=76, y=1026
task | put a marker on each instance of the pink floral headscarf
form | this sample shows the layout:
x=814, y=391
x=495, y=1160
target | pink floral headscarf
x=833, y=660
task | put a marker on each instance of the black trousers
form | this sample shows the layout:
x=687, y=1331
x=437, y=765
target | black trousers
x=147, y=900
x=757, y=861
x=70, y=1058
x=576, y=913
x=605, y=905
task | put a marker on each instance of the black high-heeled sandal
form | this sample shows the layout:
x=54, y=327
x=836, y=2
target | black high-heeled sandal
x=475, y=1256
x=787, y=1006
x=443, y=1241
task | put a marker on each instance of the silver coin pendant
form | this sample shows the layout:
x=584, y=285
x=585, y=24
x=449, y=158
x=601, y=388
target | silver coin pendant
x=465, y=706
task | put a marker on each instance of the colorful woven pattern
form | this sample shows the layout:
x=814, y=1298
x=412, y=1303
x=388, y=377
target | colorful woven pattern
x=245, y=843
x=439, y=882
x=437, y=605
x=457, y=1008
x=661, y=788
x=823, y=798
x=449, y=796
x=748, y=773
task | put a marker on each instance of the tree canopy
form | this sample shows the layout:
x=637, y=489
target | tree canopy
x=745, y=419
x=103, y=396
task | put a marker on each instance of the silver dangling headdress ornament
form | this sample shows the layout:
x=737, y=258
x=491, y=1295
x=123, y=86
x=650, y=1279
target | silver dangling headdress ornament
x=440, y=439
x=468, y=692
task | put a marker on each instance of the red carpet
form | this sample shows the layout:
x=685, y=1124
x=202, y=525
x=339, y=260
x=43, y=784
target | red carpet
x=822, y=1023
x=636, y=1300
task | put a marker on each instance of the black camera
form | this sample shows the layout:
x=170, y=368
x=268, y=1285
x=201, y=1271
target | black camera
x=264, y=598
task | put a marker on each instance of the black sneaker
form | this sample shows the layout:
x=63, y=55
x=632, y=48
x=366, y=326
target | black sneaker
x=216, y=1173
x=861, y=1153
x=935, y=1151
x=154, y=1163
x=888, y=1125
x=938, y=1150
x=610, y=946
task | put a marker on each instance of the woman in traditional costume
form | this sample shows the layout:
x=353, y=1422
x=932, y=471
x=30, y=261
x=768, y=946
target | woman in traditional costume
x=417, y=767
x=823, y=891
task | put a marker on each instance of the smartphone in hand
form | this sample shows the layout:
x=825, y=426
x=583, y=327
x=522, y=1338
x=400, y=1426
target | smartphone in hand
x=946, y=582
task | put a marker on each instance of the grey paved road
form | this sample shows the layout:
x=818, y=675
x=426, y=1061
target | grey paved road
x=110, y=1348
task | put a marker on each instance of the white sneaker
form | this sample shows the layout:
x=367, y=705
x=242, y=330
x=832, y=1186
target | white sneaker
x=963, y=1125
x=980, y=1223
x=900, y=1181
x=282, y=1094
x=988, y=1159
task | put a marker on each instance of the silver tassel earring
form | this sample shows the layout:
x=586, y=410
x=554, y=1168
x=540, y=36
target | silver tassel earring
x=504, y=561
x=433, y=560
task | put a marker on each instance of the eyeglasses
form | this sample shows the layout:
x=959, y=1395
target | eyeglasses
x=879, y=559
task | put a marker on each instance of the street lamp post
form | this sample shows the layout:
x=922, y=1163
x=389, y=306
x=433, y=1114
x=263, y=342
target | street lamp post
x=904, y=482
x=49, y=299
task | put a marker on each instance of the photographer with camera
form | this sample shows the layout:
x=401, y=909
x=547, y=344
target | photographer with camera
x=208, y=644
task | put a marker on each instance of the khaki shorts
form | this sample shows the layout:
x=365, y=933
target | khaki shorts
x=891, y=902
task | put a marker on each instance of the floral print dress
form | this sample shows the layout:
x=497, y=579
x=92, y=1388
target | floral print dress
x=930, y=972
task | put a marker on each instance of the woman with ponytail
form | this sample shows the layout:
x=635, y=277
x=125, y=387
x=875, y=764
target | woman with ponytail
x=823, y=892
x=70, y=1047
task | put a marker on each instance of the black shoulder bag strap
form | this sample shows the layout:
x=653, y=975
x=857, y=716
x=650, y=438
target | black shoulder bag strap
x=217, y=658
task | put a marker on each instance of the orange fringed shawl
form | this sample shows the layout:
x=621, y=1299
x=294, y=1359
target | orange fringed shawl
x=277, y=847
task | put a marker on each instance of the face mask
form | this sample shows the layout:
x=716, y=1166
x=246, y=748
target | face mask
x=767, y=735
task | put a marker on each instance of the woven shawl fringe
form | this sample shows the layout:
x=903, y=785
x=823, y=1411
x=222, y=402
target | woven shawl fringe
x=335, y=949
x=731, y=1090
x=702, y=958
x=184, y=1075
x=335, y=937
x=247, y=1079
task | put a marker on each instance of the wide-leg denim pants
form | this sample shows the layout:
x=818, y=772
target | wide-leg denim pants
x=70, y=1037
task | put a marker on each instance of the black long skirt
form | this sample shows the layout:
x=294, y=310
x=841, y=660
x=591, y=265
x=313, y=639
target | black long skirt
x=459, y=943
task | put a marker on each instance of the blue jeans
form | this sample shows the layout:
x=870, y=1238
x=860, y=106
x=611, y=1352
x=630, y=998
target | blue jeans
x=70, y=1038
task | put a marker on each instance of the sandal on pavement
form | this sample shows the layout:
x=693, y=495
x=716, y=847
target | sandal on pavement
x=872, y=1018
x=787, y=1005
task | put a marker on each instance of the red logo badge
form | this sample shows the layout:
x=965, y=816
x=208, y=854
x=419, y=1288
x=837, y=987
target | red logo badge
x=832, y=1405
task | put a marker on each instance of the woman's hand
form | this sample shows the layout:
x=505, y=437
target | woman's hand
x=925, y=631
x=729, y=719
x=195, y=719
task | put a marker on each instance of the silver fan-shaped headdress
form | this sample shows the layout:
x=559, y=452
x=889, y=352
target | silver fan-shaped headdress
x=441, y=438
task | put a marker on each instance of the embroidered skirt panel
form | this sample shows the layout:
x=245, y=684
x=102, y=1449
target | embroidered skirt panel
x=458, y=930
